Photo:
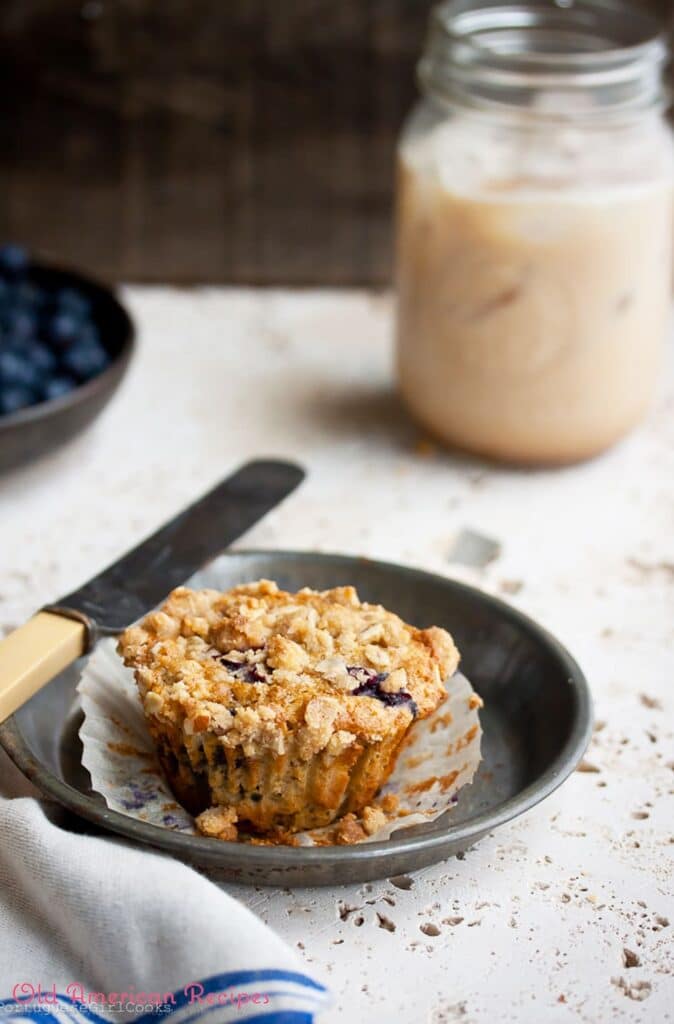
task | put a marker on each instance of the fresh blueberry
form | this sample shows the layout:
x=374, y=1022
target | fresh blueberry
x=85, y=359
x=13, y=259
x=20, y=322
x=40, y=356
x=17, y=371
x=14, y=398
x=59, y=386
x=63, y=329
x=69, y=300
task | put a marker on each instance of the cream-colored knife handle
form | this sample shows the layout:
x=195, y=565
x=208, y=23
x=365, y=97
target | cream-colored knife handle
x=34, y=654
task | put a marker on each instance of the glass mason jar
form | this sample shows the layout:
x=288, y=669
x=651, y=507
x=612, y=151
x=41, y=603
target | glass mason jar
x=534, y=227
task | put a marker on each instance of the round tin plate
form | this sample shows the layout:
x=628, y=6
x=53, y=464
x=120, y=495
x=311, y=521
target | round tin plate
x=536, y=721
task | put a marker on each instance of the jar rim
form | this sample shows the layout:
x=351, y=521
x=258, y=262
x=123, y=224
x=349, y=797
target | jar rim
x=490, y=52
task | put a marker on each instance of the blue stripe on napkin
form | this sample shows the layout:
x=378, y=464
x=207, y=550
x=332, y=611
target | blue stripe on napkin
x=288, y=991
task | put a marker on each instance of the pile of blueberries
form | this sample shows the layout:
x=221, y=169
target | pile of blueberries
x=49, y=341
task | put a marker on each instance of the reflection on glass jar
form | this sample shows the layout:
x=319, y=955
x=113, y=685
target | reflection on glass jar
x=534, y=219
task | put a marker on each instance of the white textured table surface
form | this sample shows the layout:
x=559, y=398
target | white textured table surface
x=565, y=914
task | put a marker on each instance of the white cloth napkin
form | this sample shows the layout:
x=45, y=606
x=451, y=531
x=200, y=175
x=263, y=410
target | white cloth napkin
x=84, y=917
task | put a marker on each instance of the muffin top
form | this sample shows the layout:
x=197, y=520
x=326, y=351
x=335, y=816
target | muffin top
x=250, y=664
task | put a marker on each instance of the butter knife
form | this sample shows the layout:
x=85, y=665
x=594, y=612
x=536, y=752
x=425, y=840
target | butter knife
x=60, y=633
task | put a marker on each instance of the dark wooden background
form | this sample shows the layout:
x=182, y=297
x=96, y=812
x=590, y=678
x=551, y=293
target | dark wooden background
x=207, y=140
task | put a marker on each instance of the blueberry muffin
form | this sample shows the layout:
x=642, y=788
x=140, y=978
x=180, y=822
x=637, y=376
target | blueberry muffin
x=279, y=712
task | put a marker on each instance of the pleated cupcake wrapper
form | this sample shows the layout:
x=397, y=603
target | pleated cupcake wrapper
x=270, y=791
x=439, y=755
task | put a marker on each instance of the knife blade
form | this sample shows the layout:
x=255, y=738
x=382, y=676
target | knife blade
x=137, y=582
x=141, y=578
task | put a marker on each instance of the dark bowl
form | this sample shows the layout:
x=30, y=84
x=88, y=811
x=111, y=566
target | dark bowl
x=40, y=428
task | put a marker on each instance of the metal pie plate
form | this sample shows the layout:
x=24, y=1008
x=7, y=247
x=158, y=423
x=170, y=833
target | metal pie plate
x=536, y=720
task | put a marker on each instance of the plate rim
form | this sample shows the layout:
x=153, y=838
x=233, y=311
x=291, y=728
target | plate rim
x=216, y=853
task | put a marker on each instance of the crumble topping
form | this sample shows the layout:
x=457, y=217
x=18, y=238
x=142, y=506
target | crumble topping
x=348, y=831
x=218, y=823
x=373, y=819
x=259, y=667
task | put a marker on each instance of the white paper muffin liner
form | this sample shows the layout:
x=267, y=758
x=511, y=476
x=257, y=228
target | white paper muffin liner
x=440, y=755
